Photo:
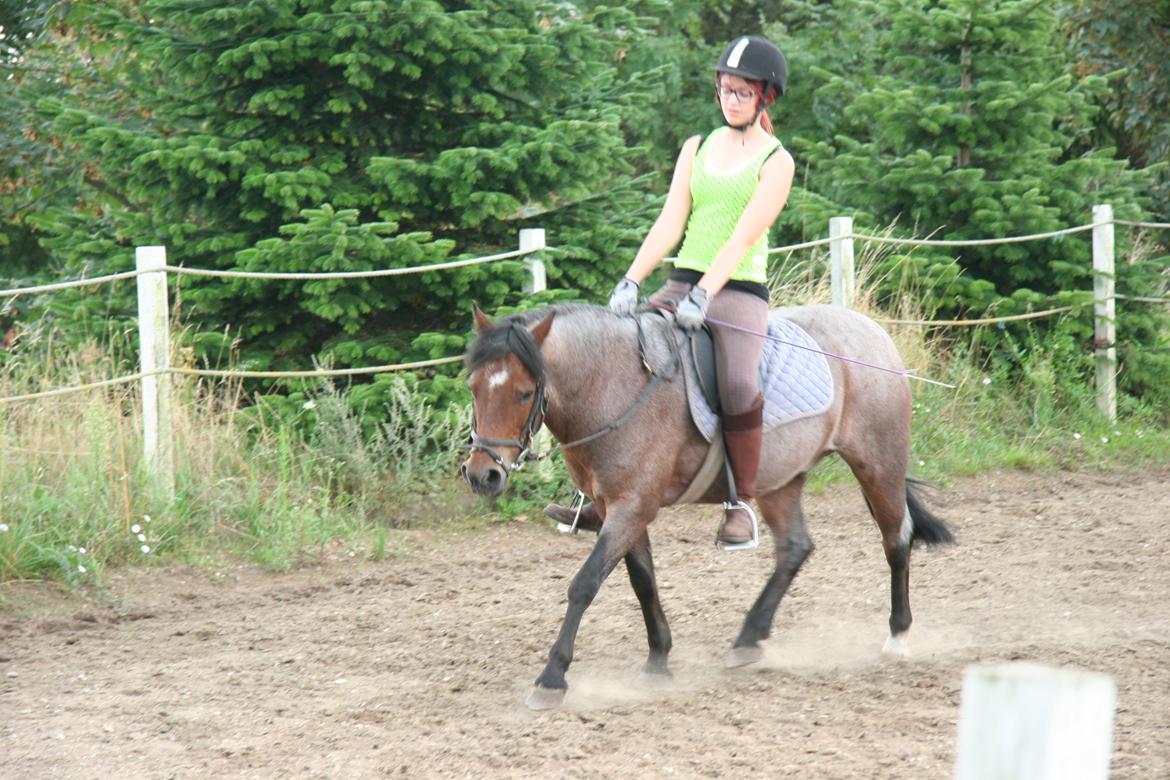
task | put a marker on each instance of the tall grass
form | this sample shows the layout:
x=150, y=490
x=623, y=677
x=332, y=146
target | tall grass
x=74, y=497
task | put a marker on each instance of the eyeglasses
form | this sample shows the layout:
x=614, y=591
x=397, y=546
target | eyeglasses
x=742, y=95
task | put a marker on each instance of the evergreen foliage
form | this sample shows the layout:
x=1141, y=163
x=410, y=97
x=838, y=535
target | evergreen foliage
x=964, y=119
x=336, y=135
x=342, y=135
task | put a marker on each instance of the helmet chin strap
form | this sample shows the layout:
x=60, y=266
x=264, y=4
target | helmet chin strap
x=742, y=129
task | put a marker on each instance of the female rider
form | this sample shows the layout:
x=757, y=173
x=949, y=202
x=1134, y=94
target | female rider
x=726, y=192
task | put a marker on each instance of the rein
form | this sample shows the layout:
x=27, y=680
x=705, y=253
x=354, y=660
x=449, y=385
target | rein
x=539, y=409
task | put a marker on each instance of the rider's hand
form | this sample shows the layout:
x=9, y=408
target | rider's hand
x=624, y=298
x=692, y=310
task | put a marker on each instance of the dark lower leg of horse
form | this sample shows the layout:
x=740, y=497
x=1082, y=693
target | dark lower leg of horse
x=898, y=556
x=640, y=567
x=884, y=488
x=610, y=548
x=782, y=512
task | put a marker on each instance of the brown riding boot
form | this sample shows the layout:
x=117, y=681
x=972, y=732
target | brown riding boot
x=743, y=435
x=588, y=520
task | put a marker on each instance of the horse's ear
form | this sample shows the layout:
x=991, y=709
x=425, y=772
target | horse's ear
x=482, y=322
x=540, y=330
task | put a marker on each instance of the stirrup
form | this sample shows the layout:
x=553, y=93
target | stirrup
x=579, y=504
x=750, y=544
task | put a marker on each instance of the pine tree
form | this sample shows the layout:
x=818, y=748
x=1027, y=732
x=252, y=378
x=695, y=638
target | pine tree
x=329, y=135
x=967, y=120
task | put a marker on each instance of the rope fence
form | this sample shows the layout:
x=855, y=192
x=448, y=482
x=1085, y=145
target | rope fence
x=153, y=315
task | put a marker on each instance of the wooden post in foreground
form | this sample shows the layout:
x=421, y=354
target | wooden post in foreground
x=1104, y=311
x=841, y=260
x=154, y=340
x=1022, y=721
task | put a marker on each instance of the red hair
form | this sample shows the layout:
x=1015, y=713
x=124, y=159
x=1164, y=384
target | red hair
x=764, y=97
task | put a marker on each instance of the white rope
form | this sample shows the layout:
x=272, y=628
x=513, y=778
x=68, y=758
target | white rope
x=1131, y=223
x=984, y=320
x=81, y=388
x=419, y=269
x=1140, y=299
x=318, y=372
x=232, y=374
x=974, y=241
x=178, y=269
x=805, y=245
x=18, y=291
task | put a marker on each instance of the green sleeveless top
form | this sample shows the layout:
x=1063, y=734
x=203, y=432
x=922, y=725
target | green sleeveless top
x=718, y=199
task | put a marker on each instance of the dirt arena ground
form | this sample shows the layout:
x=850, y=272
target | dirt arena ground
x=418, y=666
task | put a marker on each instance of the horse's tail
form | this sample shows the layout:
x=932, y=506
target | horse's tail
x=928, y=528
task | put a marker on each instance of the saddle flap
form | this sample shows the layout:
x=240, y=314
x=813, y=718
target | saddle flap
x=703, y=353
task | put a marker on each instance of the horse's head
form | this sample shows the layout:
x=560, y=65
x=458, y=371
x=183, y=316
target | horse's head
x=506, y=376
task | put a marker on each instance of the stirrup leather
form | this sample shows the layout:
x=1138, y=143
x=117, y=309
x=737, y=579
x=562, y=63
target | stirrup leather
x=578, y=505
x=752, y=543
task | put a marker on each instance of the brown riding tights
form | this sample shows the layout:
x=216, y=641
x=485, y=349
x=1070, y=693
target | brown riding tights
x=737, y=354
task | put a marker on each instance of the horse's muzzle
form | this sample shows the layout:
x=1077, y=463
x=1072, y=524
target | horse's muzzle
x=489, y=480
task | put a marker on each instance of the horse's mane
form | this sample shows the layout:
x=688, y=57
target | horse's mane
x=510, y=336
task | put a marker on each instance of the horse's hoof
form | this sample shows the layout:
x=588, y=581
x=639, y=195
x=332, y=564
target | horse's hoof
x=655, y=679
x=896, y=646
x=545, y=698
x=742, y=656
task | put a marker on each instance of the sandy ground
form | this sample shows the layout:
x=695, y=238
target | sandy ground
x=418, y=666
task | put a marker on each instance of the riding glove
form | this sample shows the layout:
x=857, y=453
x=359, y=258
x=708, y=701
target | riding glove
x=625, y=297
x=692, y=310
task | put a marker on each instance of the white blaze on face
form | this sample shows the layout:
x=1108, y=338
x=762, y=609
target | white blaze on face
x=497, y=379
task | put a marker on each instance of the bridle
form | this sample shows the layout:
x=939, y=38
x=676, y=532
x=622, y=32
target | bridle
x=539, y=409
x=536, y=415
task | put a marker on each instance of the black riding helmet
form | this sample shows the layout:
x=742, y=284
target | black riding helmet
x=758, y=59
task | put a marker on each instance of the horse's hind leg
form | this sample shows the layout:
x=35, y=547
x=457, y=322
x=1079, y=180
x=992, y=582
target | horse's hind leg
x=640, y=566
x=885, y=495
x=783, y=513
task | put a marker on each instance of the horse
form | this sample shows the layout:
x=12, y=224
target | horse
x=608, y=389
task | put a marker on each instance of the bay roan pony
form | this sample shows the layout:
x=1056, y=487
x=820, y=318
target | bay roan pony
x=579, y=369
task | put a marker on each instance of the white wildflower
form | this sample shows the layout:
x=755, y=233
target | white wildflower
x=135, y=528
x=81, y=568
x=1104, y=439
x=146, y=518
x=3, y=528
x=142, y=537
x=310, y=404
x=1077, y=436
x=81, y=550
x=146, y=548
x=986, y=380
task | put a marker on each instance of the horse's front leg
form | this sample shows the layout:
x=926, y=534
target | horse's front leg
x=617, y=538
x=640, y=567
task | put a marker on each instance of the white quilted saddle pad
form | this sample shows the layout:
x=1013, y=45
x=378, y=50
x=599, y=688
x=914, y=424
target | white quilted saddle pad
x=796, y=382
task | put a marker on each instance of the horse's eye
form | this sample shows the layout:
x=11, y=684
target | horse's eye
x=526, y=396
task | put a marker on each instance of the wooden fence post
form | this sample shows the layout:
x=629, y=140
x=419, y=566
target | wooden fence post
x=1023, y=721
x=1104, y=310
x=154, y=342
x=841, y=260
x=533, y=238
